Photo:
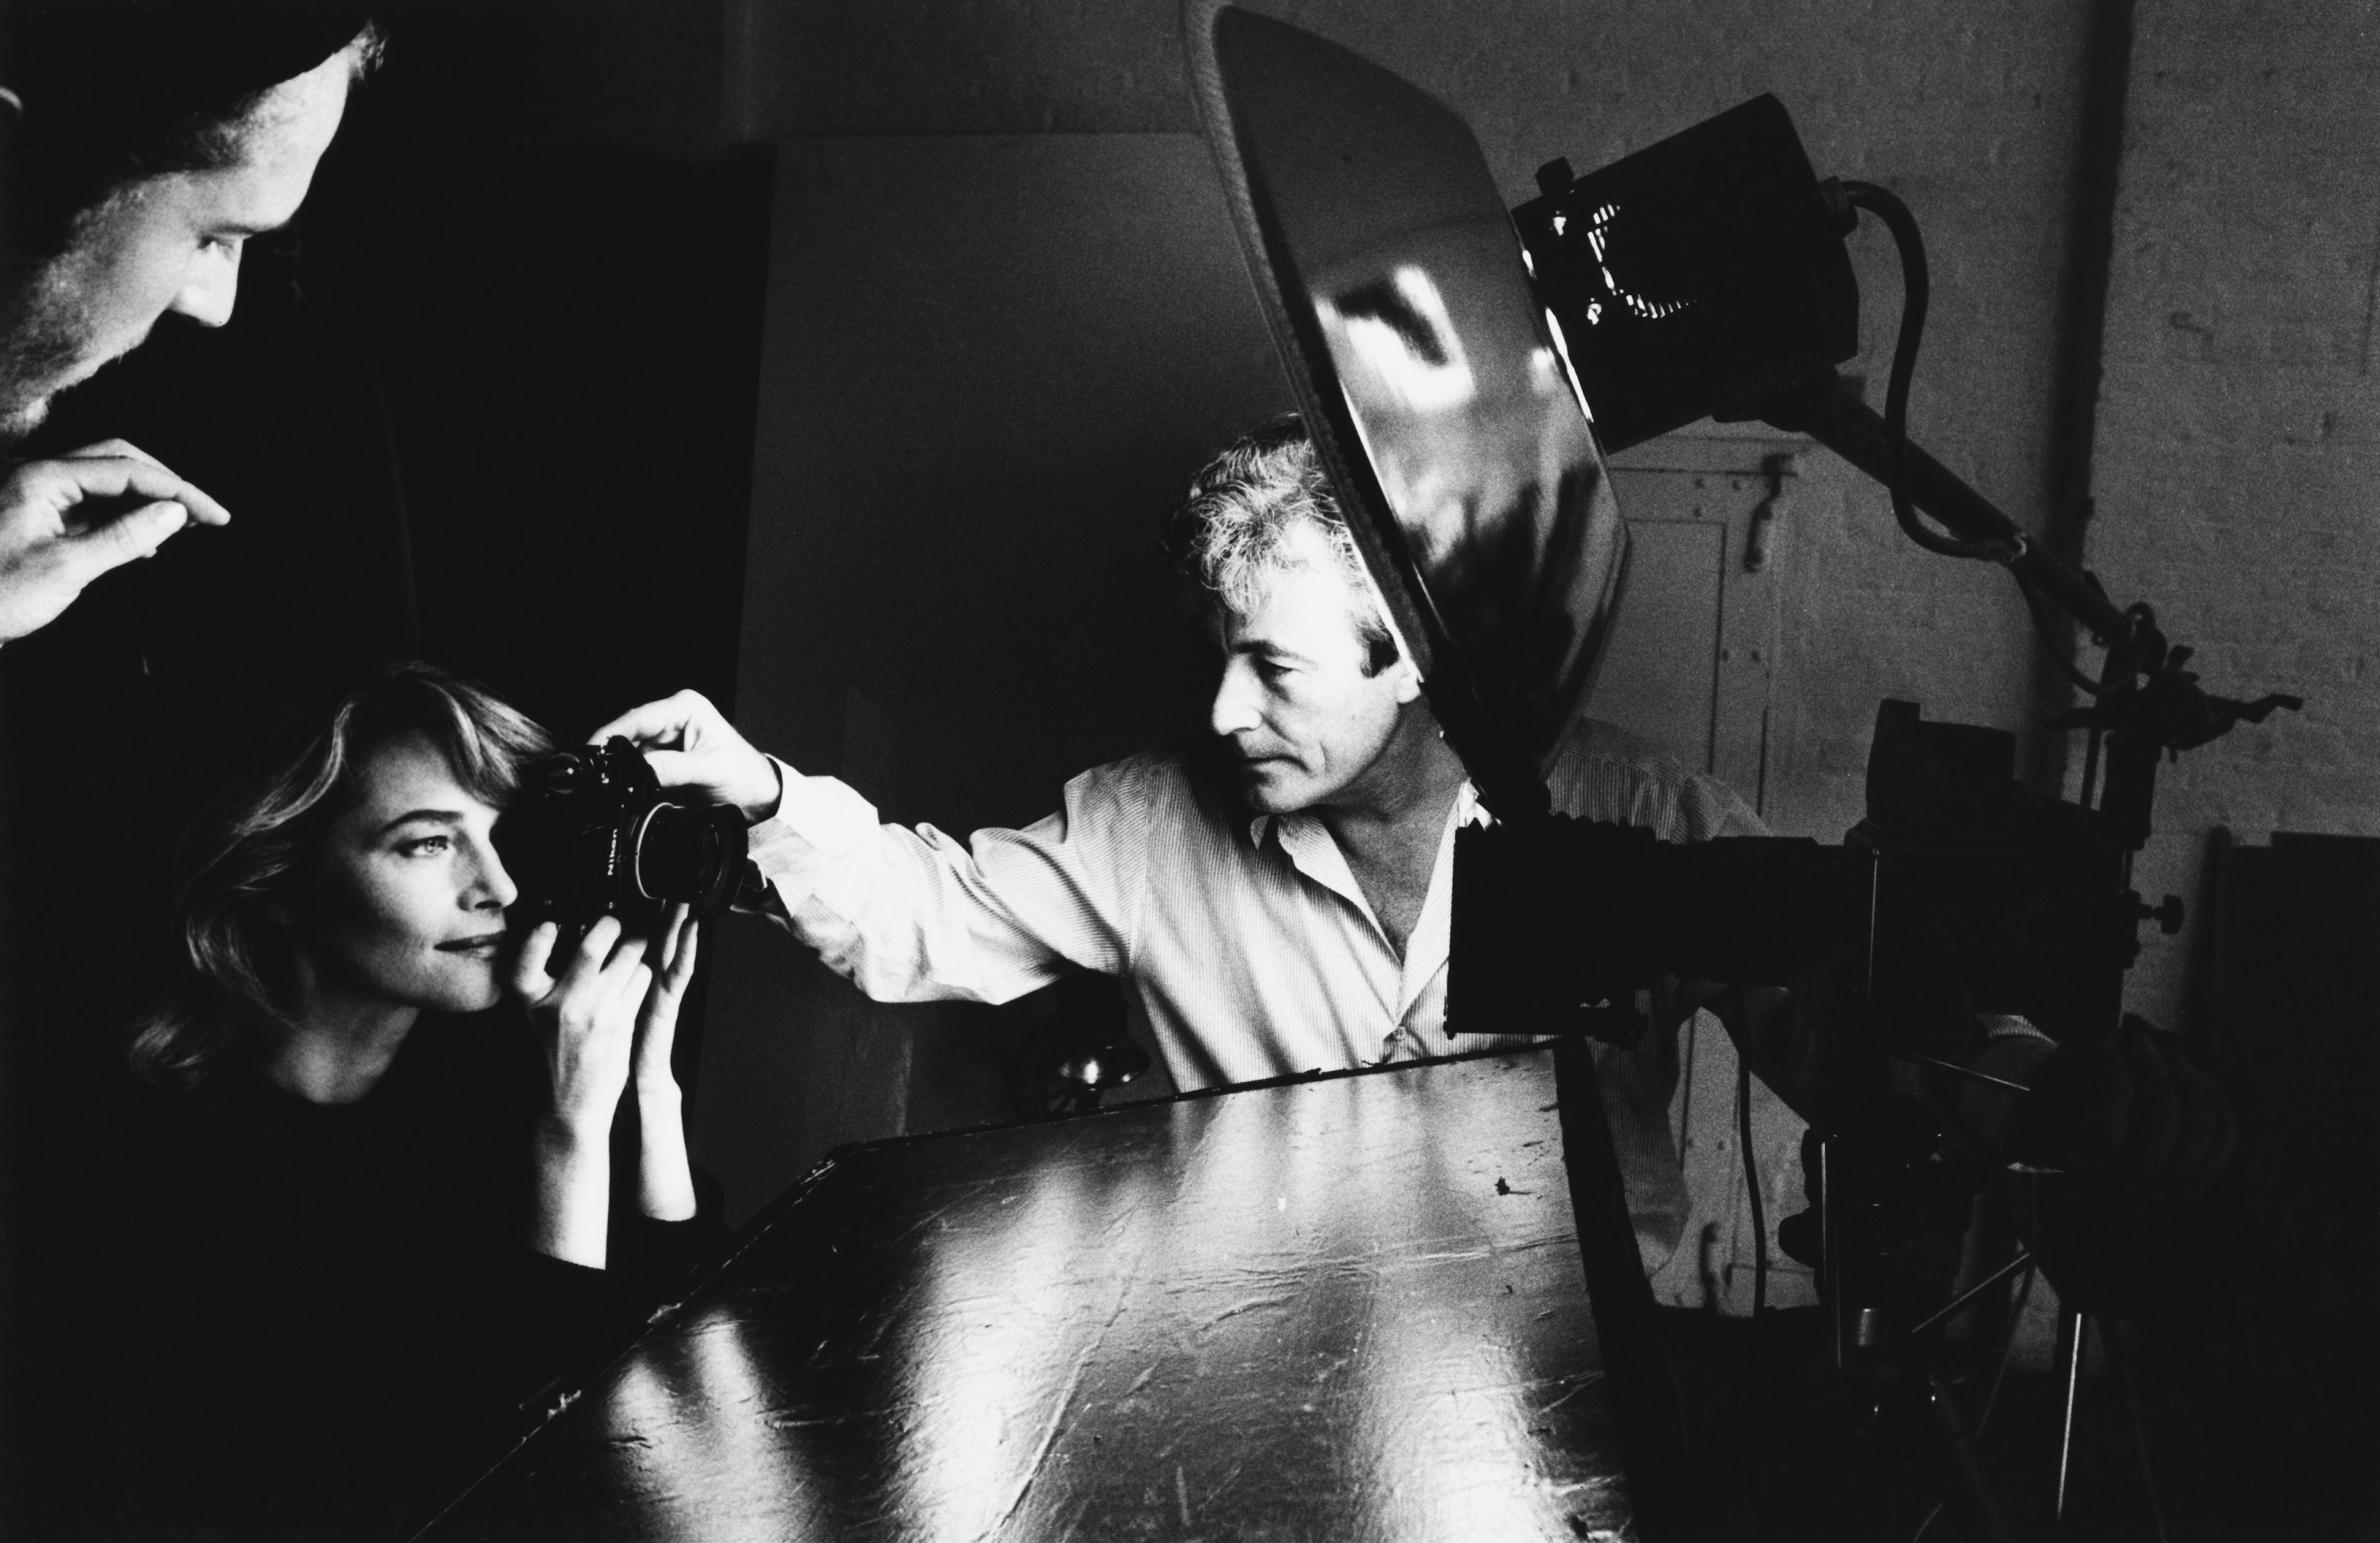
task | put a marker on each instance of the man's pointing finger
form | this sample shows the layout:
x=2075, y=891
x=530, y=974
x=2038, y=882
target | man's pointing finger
x=83, y=476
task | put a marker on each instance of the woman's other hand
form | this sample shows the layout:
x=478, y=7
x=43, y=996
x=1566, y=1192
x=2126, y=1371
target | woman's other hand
x=664, y=1179
x=585, y=1022
x=657, y=1025
x=586, y=1019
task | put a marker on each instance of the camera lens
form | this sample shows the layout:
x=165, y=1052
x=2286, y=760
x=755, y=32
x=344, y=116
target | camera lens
x=688, y=852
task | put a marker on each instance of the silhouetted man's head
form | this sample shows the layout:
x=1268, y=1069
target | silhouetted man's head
x=142, y=143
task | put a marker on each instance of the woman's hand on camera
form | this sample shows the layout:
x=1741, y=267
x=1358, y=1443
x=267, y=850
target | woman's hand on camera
x=586, y=1020
x=689, y=742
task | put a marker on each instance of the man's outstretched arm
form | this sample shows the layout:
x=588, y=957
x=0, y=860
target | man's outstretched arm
x=908, y=914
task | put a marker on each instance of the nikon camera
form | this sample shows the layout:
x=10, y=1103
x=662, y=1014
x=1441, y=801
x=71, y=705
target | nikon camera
x=593, y=835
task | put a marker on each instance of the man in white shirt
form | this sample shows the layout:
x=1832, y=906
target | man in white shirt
x=1276, y=900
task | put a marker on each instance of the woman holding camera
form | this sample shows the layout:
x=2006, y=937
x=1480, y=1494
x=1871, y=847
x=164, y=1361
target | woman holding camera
x=365, y=1202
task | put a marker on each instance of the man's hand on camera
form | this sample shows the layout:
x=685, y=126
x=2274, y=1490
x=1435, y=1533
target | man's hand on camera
x=2126, y=1107
x=688, y=743
x=65, y=522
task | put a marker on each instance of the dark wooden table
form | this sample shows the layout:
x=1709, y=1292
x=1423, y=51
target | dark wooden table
x=1350, y=1307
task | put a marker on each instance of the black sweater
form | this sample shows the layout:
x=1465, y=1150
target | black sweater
x=288, y=1319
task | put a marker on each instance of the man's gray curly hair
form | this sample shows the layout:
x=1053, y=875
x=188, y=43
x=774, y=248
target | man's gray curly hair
x=1231, y=534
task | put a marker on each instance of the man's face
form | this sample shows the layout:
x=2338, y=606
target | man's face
x=164, y=243
x=1305, y=725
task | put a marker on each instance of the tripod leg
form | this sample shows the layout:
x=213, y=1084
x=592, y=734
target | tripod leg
x=1964, y=1468
x=2118, y=1355
x=1646, y=1391
x=2075, y=1331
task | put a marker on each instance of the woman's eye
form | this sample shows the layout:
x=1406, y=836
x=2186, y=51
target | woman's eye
x=423, y=846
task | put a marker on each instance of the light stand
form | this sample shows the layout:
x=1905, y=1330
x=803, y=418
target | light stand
x=1706, y=277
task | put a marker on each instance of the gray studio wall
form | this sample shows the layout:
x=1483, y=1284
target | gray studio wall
x=2238, y=464
x=2030, y=139
x=1973, y=112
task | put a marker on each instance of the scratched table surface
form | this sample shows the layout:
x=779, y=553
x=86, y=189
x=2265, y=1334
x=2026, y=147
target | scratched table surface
x=1350, y=1307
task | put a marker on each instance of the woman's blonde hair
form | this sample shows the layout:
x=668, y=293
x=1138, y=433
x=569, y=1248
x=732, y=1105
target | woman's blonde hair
x=229, y=970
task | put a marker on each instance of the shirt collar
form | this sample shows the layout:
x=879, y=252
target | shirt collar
x=1468, y=810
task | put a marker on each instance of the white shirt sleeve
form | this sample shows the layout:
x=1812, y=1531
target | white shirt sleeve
x=916, y=914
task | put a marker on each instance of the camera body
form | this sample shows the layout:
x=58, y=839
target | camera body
x=594, y=834
x=1961, y=893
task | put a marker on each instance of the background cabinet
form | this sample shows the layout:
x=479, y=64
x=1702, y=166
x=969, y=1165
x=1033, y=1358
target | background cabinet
x=1693, y=668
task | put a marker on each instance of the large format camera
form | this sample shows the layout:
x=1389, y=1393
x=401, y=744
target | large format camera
x=594, y=835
